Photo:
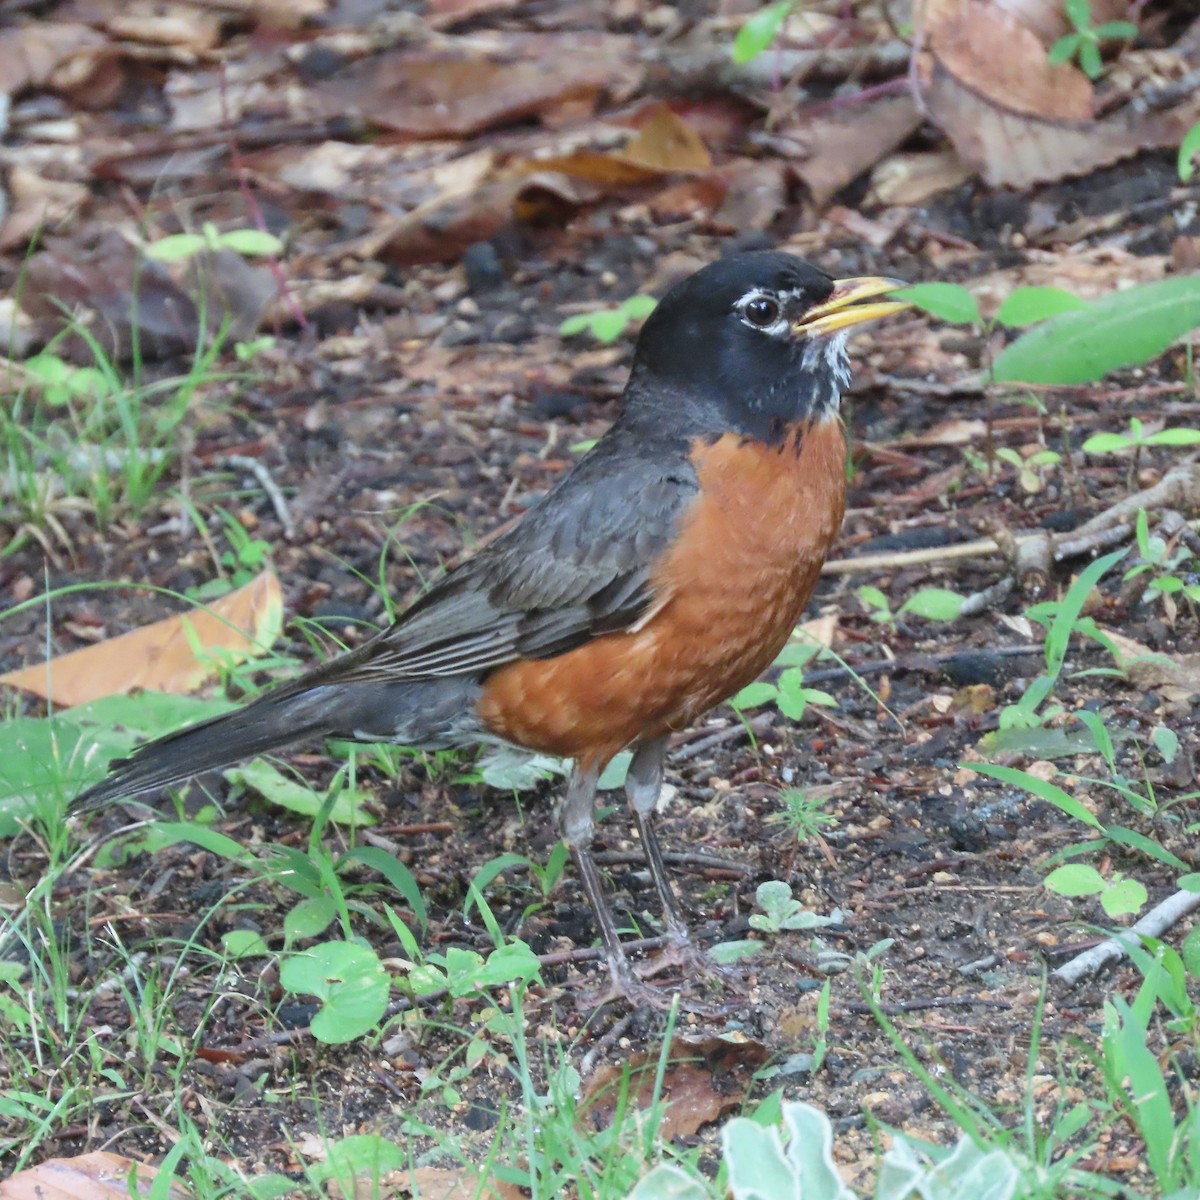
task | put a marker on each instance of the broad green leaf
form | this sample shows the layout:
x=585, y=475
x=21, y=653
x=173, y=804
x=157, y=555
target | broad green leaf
x=1090, y=62
x=350, y=982
x=873, y=597
x=244, y=943
x=1112, y=30
x=1107, y=443
x=754, y=694
x=613, y=776
x=934, y=604
x=270, y=783
x=1028, y=305
x=573, y=326
x=1079, y=13
x=608, y=324
x=1188, y=149
x=251, y=242
x=1166, y=742
x=810, y=1150
x=358, y=1163
x=1064, y=49
x=1124, y=897
x=1180, y=436
x=759, y=31
x=309, y=918
x=758, y=1169
x=669, y=1182
x=637, y=307
x=1075, y=879
x=1121, y=329
x=946, y=301
x=175, y=247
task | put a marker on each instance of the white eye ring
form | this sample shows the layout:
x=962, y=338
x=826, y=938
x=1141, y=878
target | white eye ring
x=763, y=311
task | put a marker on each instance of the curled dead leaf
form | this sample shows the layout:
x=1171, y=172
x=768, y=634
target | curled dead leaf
x=703, y=1081
x=100, y=1175
x=175, y=654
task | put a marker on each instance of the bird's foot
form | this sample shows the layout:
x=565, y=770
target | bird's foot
x=630, y=984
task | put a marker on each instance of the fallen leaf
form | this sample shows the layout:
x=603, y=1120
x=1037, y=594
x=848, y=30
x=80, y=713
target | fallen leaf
x=1176, y=677
x=441, y=1183
x=703, y=1081
x=964, y=35
x=1013, y=116
x=31, y=54
x=456, y=93
x=176, y=654
x=833, y=149
x=38, y=205
x=100, y=1175
x=913, y=178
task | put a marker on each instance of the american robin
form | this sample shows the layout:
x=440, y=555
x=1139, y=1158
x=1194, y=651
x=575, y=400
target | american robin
x=659, y=576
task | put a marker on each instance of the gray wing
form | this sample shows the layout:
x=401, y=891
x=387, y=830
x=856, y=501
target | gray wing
x=579, y=565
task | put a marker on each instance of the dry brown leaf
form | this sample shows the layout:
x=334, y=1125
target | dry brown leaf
x=994, y=56
x=1014, y=117
x=439, y=1183
x=100, y=1175
x=957, y=431
x=453, y=93
x=172, y=655
x=756, y=192
x=38, y=205
x=835, y=148
x=166, y=24
x=1048, y=18
x=1176, y=677
x=703, y=1081
x=30, y=55
x=821, y=629
x=911, y=179
x=1011, y=150
x=665, y=144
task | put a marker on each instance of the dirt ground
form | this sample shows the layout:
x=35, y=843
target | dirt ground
x=417, y=422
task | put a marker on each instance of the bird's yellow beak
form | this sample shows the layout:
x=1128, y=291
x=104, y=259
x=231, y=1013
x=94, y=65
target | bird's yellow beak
x=844, y=308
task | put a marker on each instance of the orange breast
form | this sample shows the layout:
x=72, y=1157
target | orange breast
x=731, y=590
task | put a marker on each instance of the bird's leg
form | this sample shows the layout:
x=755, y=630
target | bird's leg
x=578, y=824
x=643, y=785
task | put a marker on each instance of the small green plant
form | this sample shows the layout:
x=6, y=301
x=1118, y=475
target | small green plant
x=176, y=247
x=760, y=30
x=1174, y=571
x=782, y=912
x=1031, y=471
x=1072, y=341
x=789, y=694
x=1083, y=44
x=1189, y=148
x=1119, y=895
x=793, y=1156
x=607, y=324
x=1063, y=619
x=1137, y=440
x=802, y=815
x=934, y=604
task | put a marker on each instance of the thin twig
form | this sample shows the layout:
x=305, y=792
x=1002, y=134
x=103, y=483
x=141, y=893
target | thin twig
x=1156, y=922
x=274, y=494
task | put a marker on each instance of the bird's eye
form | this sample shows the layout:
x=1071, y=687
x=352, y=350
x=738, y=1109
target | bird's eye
x=761, y=311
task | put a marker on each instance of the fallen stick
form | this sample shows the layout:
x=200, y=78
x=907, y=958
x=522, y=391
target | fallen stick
x=1157, y=921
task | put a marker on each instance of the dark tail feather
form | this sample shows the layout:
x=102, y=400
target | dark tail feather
x=267, y=724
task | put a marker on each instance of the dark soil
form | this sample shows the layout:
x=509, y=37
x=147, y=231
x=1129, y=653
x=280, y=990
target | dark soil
x=412, y=432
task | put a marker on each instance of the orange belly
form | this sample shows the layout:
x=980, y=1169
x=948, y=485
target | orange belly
x=731, y=590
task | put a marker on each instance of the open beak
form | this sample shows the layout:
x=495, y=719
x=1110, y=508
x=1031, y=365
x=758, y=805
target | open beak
x=845, y=308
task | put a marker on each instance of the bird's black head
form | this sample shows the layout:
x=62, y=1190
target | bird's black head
x=751, y=344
